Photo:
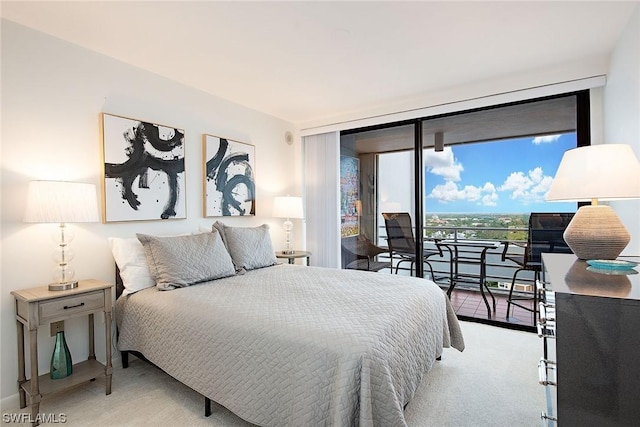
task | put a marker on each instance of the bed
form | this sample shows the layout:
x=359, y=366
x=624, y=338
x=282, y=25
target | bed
x=290, y=345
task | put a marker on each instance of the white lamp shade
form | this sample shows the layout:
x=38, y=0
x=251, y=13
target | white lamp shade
x=61, y=201
x=287, y=207
x=603, y=172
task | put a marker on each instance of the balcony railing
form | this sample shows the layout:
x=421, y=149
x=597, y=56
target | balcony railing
x=499, y=274
x=466, y=298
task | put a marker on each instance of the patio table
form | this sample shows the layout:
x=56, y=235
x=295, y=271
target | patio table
x=478, y=257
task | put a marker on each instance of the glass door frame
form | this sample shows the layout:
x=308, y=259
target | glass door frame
x=583, y=138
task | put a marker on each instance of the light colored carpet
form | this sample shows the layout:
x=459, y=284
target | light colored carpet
x=492, y=383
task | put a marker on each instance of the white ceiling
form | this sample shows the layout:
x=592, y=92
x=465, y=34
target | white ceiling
x=304, y=61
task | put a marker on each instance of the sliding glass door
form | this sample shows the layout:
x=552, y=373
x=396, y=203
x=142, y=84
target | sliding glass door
x=468, y=169
x=371, y=185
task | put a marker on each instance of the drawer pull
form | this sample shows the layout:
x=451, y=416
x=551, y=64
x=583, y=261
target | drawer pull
x=542, y=285
x=546, y=329
x=547, y=312
x=543, y=372
x=67, y=307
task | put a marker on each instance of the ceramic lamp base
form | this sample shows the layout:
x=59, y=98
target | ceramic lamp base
x=595, y=232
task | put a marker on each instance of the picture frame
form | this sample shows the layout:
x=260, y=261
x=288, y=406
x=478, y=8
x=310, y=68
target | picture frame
x=229, y=177
x=143, y=170
x=349, y=196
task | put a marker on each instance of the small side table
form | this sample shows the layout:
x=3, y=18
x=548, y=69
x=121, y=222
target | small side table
x=39, y=306
x=292, y=257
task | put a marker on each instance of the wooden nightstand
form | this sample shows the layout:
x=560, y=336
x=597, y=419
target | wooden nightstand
x=39, y=306
x=292, y=257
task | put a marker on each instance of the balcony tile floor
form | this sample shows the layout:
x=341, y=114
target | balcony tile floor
x=469, y=304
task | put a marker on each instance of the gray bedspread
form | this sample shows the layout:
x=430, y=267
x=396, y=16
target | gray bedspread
x=296, y=346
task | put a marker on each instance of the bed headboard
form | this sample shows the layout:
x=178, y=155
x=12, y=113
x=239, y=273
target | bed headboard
x=119, y=284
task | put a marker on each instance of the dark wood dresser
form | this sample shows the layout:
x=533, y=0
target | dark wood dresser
x=590, y=323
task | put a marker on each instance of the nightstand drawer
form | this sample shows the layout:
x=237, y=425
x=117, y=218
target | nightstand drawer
x=61, y=308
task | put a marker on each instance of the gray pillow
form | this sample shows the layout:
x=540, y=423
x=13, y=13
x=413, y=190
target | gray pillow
x=180, y=261
x=219, y=227
x=249, y=247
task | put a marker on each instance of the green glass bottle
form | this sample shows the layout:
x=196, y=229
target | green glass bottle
x=61, y=364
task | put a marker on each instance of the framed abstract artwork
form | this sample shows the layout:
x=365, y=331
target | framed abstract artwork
x=349, y=196
x=143, y=174
x=229, y=179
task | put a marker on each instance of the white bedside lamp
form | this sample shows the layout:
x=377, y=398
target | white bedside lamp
x=596, y=172
x=287, y=207
x=62, y=202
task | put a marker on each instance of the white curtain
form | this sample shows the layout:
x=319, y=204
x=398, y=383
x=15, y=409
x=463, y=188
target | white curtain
x=322, y=197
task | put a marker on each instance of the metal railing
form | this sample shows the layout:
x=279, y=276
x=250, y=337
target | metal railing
x=499, y=273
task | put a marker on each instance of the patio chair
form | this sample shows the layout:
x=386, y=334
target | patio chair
x=545, y=234
x=401, y=242
x=360, y=254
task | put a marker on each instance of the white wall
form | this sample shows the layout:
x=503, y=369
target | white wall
x=622, y=115
x=52, y=94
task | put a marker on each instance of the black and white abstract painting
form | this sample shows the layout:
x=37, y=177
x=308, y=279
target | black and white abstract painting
x=144, y=177
x=229, y=184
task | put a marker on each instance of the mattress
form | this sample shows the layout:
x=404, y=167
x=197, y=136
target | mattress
x=290, y=345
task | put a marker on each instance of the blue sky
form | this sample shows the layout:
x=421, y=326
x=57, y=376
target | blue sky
x=510, y=176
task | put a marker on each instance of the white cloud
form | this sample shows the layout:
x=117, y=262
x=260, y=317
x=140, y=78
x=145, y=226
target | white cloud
x=490, y=200
x=443, y=164
x=530, y=187
x=450, y=192
x=447, y=192
x=489, y=187
x=545, y=139
x=518, y=183
x=543, y=186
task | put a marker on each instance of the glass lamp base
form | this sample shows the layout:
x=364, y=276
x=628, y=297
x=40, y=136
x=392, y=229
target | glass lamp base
x=288, y=226
x=63, y=286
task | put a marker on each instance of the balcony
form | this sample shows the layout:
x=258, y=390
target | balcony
x=466, y=298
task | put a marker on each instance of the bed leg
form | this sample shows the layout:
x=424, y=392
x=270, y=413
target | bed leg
x=125, y=359
x=207, y=406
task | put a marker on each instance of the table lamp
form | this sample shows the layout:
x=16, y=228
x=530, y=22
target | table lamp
x=596, y=172
x=62, y=202
x=287, y=207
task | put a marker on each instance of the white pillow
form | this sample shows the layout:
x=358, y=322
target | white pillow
x=132, y=262
x=204, y=229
